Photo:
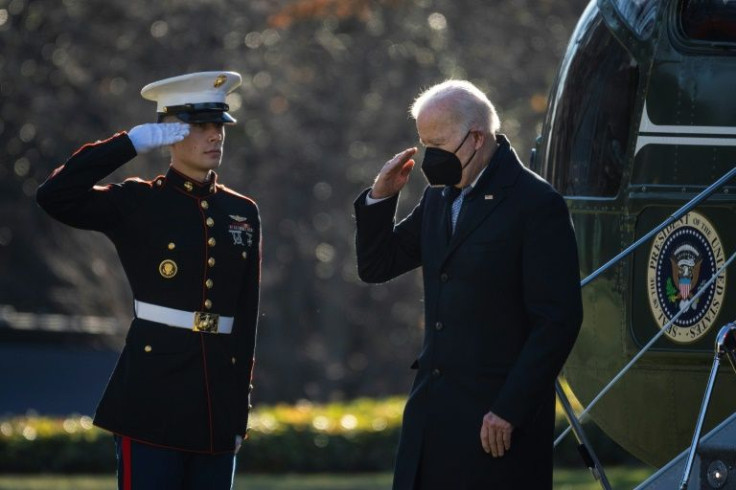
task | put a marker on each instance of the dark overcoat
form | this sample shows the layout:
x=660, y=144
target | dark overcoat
x=183, y=245
x=502, y=311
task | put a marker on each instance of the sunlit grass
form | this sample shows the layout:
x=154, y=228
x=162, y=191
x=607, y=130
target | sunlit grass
x=565, y=479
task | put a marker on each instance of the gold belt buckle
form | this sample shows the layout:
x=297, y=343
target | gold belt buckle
x=206, y=322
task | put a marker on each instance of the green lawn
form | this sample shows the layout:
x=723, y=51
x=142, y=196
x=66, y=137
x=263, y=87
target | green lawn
x=620, y=478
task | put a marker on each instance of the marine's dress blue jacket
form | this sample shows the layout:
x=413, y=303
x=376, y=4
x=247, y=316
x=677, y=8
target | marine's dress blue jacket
x=183, y=245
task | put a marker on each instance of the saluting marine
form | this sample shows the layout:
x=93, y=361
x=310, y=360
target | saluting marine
x=178, y=398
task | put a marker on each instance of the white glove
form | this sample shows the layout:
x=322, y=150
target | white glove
x=148, y=136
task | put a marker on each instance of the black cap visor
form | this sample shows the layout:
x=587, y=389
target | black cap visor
x=199, y=113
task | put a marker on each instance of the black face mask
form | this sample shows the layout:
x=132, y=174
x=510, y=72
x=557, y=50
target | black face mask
x=442, y=167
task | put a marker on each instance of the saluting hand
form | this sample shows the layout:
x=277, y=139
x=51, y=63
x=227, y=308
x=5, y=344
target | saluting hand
x=495, y=435
x=146, y=137
x=394, y=175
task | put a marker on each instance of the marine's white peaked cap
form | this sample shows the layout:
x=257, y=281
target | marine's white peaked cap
x=193, y=94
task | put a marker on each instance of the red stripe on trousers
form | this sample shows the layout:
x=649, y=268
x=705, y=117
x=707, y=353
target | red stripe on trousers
x=127, y=484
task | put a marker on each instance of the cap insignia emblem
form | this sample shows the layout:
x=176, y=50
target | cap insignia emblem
x=220, y=81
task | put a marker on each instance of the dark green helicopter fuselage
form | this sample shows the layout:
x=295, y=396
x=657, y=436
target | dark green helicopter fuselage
x=642, y=117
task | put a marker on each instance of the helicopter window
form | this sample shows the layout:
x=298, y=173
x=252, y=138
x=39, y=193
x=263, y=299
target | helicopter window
x=639, y=15
x=590, y=127
x=709, y=20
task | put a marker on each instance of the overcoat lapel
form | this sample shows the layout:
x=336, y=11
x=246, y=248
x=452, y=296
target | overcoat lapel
x=477, y=207
x=488, y=193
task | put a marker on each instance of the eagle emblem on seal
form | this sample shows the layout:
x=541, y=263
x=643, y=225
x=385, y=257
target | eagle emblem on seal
x=685, y=261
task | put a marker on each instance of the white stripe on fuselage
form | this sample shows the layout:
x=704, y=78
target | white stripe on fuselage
x=668, y=134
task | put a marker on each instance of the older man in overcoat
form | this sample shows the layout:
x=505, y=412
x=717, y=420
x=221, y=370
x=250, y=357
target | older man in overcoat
x=502, y=298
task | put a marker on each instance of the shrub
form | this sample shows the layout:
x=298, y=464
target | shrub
x=356, y=436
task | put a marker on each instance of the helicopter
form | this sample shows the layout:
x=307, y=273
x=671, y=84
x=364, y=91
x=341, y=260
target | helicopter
x=641, y=120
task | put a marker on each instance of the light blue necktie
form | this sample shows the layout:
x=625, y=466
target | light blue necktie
x=457, y=204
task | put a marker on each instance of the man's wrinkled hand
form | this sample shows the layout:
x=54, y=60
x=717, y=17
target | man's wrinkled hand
x=146, y=137
x=495, y=435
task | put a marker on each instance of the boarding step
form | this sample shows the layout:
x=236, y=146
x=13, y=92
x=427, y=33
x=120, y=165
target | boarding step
x=714, y=466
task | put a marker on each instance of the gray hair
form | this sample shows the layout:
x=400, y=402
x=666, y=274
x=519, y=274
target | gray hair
x=466, y=102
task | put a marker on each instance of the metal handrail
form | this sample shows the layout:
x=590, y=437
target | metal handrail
x=586, y=451
x=574, y=419
x=651, y=342
x=692, y=203
x=724, y=347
